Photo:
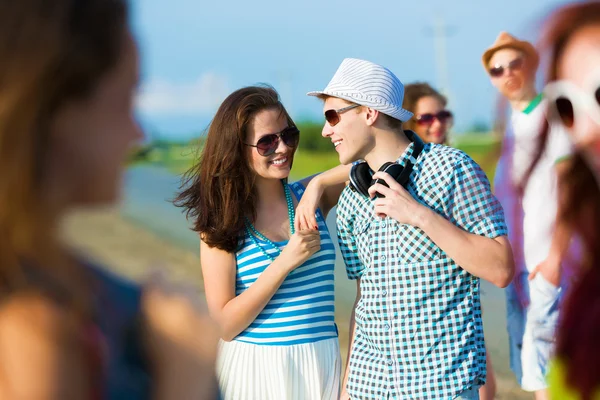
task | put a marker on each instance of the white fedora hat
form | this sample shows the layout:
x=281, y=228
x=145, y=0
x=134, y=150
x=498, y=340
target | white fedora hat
x=368, y=84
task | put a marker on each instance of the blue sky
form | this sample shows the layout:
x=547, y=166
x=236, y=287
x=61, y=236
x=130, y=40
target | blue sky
x=194, y=53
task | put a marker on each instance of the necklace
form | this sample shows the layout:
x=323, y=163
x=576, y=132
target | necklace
x=253, y=233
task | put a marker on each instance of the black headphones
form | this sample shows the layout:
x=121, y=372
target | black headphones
x=361, y=175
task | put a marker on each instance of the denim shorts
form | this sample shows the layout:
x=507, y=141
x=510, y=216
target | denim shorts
x=471, y=394
x=531, y=331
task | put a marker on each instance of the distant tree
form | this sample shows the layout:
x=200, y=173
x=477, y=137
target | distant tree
x=310, y=137
x=480, y=127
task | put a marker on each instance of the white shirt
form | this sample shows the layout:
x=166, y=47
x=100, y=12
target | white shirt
x=540, y=199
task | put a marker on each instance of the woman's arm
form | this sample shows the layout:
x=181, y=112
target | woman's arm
x=235, y=313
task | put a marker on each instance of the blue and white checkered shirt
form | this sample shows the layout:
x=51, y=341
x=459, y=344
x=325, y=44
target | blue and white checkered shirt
x=419, y=333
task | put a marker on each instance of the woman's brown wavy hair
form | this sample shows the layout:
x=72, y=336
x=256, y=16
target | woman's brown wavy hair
x=218, y=191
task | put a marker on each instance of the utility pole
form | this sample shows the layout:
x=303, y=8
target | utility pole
x=440, y=33
x=285, y=89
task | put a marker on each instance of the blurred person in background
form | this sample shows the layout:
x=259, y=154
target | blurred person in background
x=533, y=298
x=69, y=329
x=571, y=40
x=431, y=120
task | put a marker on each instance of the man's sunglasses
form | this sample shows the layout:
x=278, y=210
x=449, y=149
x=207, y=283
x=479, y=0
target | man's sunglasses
x=333, y=116
x=427, y=119
x=498, y=70
x=267, y=144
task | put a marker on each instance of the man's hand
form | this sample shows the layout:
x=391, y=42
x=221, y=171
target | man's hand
x=397, y=203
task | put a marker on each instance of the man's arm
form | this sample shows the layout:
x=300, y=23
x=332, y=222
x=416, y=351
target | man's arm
x=489, y=259
x=321, y=191
x=473, y=234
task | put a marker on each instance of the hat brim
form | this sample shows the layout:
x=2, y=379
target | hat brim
x=316, y=93
x=395, y=112
x=523, y=46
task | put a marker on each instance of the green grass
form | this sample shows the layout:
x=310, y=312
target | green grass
x=178, y=158
x=308, y=163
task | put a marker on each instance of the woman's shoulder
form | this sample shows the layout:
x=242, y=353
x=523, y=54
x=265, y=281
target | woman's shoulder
x=297, y=188
x=31, y=309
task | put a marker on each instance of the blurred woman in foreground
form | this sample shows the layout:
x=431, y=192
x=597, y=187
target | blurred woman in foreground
x=69, y=330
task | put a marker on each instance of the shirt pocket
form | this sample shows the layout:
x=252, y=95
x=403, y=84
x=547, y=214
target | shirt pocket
x=363, y=239
x=414, y=246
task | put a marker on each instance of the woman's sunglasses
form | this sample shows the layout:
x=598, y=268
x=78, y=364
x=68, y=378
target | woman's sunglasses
x=498, y=70
x=333, y=116
x=267, y=144
x=569, y=103
x=427, y=119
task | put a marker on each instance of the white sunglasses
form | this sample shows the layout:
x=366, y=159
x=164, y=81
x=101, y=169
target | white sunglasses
x=569, y=104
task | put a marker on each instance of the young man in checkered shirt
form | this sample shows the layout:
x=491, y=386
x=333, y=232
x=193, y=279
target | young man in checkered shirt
x=417, y=254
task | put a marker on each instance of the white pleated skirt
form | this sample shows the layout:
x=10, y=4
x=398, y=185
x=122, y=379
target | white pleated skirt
x=309, y=371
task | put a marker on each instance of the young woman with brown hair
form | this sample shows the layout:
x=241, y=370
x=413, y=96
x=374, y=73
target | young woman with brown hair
x=267, y=262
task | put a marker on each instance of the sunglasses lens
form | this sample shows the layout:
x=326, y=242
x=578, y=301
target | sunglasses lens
x=444, y=116
x=291, y=136
x=425, y=119
x=516, y=64
x=565, y=111
x=267, y=145
x=332, y=117
x=496, y=71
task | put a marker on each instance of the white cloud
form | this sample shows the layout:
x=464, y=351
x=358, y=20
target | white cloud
x=199, y=97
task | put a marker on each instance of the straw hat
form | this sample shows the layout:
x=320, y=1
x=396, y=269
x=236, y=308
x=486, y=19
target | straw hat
x=506, y=40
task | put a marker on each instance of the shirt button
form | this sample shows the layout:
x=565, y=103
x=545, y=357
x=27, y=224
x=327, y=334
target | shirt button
x=387, y=327
x=383, y=258
x=384, y=293
x=390, y=362
x=383, y=224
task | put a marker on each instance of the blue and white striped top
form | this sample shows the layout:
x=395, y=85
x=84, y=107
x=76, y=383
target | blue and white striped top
x=302, y=310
